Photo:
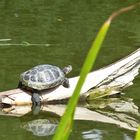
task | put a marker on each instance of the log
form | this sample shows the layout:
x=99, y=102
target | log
x=116, y=76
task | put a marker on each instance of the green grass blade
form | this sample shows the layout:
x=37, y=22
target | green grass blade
x=65, y=125
x=138, y=134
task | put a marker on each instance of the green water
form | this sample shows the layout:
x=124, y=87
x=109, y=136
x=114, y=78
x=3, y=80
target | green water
x=61, y=33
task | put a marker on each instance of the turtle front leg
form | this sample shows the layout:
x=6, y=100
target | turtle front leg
x=36, y=99
x=36, y=102
x=66, y=83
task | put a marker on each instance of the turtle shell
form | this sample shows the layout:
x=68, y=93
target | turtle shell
x=42, y=77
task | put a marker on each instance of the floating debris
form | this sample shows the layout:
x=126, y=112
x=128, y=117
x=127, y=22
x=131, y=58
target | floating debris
x=6, y=39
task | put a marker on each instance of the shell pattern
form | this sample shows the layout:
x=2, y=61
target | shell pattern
x=42, y=77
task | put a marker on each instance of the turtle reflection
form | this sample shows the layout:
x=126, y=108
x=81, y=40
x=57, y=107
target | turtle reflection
x=42, y=125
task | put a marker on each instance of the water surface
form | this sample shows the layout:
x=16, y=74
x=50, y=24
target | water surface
x=60, y=33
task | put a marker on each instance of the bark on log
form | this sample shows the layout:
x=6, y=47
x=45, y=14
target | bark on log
x=116, y=76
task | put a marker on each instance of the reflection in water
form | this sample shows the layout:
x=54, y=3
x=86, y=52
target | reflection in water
x=94, y=134
x=122, y=112
x=126, y=137
x=97, y=134
x=41, y=127
x=120, y=109
x=126, y=105
x=130, y=121
x=43, y=124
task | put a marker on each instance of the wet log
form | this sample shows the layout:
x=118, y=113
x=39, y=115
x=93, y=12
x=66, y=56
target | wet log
x=116, y=76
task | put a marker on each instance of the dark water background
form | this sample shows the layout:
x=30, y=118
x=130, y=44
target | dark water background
x=67, y=27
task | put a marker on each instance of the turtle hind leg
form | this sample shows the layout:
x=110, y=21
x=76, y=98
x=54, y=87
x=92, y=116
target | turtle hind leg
x=66, y=83
x=36, y=98
x=36, y=102
x=20, y=85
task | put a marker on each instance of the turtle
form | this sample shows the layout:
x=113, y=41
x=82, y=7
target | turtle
x=43, y=77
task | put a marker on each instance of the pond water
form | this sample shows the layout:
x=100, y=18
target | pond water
x=60, y=33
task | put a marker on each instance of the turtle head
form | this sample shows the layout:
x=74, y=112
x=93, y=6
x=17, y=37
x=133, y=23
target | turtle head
x=67, y=69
